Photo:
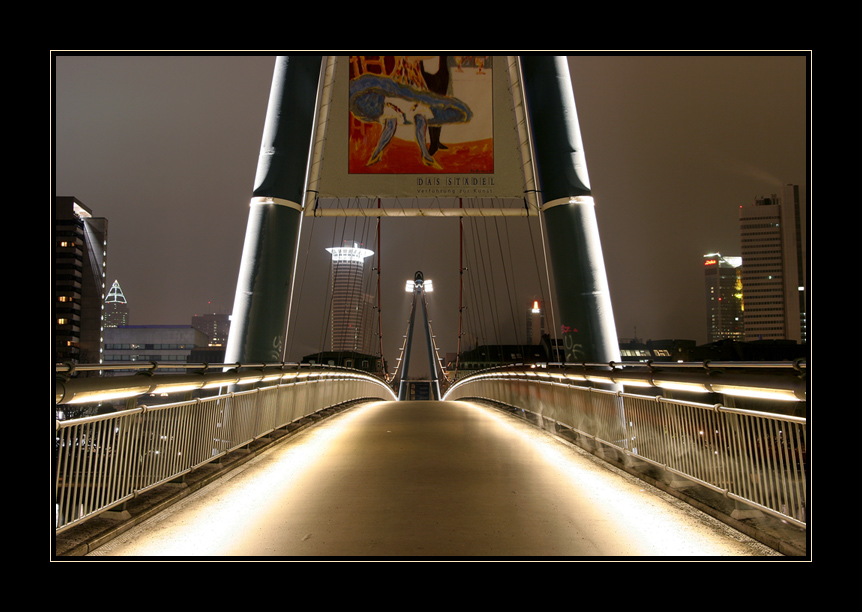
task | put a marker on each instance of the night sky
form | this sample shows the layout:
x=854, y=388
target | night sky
x=166, y=148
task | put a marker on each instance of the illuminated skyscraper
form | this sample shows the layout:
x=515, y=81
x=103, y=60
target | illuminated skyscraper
x=774, y=269
x=80, y=250
x=116, y=307
x=351, y=307
x=724, y=297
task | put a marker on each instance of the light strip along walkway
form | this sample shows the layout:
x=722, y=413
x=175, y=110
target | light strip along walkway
x=429, y=479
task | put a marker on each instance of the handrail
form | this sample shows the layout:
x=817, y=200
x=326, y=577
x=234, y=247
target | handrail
x=105, y=459
x=782, y=380
x=70, y=389
x=773, y=380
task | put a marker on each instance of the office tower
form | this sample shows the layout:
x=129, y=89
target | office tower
x=215, y=326
x=351, y=306
x=116, y=307
x=724, y=297
x=774, y=269
x=535, y=321
x=80, y=249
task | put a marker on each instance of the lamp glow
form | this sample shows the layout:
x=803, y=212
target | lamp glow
x=354, y=254
x=427, y=286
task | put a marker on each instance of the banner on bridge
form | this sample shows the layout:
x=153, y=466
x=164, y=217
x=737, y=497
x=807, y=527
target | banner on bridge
x=420, y=130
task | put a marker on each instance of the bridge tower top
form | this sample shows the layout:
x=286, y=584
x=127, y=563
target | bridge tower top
x=433, y=129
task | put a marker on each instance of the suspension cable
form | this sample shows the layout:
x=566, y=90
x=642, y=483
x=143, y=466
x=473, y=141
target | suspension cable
x=550, y=301
x=298, y=298
x=506, y=277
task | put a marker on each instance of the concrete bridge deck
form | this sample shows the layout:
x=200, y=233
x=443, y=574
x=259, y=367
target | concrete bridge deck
x=429, y=479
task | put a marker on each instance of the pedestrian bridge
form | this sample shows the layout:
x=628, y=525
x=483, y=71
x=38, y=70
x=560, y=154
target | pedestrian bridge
x=624, y=471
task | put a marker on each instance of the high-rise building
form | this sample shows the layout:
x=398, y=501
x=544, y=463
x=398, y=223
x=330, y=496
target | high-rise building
x=116, y=307
x=80, y=262
x=535, y=321
x=774, y=267
x=352, y=308
x=216, y=327
x=724, y=297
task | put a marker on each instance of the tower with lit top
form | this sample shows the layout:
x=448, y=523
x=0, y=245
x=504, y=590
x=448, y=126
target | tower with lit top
x=724, y=300
x=535, y=321
x=351, y=309
x=116, y=307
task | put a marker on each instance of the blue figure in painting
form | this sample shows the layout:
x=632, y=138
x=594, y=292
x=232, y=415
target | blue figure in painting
x=405, y=98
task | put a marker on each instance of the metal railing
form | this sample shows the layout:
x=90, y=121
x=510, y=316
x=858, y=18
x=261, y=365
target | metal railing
x=102, y=461
x=754, y=456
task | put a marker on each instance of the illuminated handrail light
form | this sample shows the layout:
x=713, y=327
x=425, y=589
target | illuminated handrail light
x=681, y=386
x=576, y=376
x=770, y=394
x=218, y=383
x=599, y=377
x=634, y=382
x=85, y=398
x=176, y=387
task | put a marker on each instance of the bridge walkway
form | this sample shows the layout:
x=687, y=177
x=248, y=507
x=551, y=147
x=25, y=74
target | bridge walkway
x=429, y=479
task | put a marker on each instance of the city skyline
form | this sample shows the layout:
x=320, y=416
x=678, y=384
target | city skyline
x=166, y=149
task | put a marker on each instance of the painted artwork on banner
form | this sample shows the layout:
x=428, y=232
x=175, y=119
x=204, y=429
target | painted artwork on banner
x=421, y=114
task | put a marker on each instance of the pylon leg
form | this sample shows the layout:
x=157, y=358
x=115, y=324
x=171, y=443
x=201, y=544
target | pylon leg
x=585, y=315
x=262, y=302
